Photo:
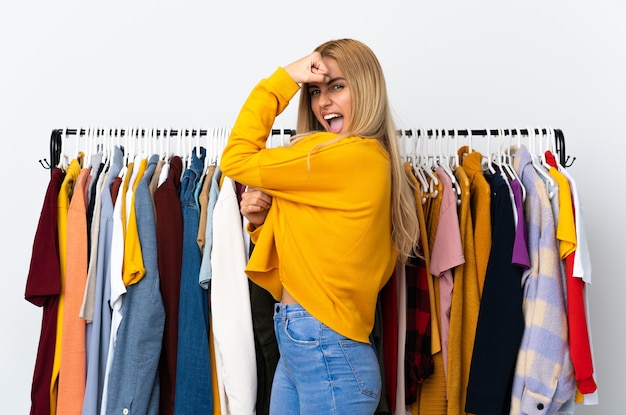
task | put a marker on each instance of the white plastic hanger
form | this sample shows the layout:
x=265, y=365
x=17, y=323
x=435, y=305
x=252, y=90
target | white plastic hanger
x=427, y=167
x=443, y=161
x=222, y=142
x=549, y=137
x=535, y=162
x=179, y=147
x=185, y=152
x=508, y=165
x=209, y=151
x=502, y=171
x=469, y=146
x=415, y=164
x=403, y=144
x=106, y=148
x=85, y=151
x=454, y=159
x=198, y=152
x=126, y=135
x=541, y=149
x=63, y=158
x=151, y=137
x=164, y=145
x=225, y=138
x=218, y=144
x=136, y=143
x=144, y=143
x=77, y=145
x=488, y=156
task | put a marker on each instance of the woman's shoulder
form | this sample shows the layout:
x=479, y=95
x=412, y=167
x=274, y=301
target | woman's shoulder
x=326, y=136
x=345, y=147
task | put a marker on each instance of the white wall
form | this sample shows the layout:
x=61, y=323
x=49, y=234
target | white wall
x=452, y=64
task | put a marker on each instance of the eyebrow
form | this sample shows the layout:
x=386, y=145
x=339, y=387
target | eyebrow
x=315, y=84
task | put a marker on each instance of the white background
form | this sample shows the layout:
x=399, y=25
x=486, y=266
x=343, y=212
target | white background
x=449, y=64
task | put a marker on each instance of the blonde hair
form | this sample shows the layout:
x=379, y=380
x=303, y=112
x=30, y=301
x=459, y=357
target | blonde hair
x=371, y=117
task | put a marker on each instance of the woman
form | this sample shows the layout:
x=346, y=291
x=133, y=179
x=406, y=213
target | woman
x=335, y=212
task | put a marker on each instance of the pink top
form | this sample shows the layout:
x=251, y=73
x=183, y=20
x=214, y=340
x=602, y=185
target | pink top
x=447, y=253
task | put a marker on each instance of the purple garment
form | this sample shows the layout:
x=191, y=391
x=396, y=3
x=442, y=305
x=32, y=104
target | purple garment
x=520, y=246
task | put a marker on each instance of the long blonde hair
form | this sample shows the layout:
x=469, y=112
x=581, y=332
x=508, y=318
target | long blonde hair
x=371, y=117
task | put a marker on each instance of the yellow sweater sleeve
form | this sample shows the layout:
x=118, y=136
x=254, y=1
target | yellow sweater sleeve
x=240, y=157
x=133, y=269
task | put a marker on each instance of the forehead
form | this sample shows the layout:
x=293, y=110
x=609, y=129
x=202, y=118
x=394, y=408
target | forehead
x=333, y=68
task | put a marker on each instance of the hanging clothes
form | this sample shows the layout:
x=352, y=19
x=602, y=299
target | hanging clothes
x=193, y=383
x=447, y=253
x=73, y=353
x=388, y=298
x=419, y=361
x=159, y=239
x=432, y=396
x=579, y=343
x=480, y=194
x=230, y=307
x=169, y=219
x=43, y=289
x=100, y=316
x=544, y=353
x=465, y=305
x=116, y=288
x=138, y=345
x=94, y=205
x=500, y=321
x=63, y=202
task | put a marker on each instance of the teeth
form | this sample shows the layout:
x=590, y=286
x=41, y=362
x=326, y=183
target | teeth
x=331, y=116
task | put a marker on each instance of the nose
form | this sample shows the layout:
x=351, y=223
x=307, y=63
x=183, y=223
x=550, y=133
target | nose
x=324, y=99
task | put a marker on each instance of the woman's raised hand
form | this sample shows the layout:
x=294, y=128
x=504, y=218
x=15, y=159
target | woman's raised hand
x=309, y=69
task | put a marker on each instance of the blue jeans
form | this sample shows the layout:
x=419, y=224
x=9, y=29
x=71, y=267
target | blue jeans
x=320, y=371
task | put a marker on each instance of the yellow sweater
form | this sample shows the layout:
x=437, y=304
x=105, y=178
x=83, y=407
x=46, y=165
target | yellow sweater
x=327, y=236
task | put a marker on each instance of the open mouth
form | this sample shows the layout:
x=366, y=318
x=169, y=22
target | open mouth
x=335, y=122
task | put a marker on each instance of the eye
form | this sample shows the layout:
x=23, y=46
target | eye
x=314, y=91
x=337, y=87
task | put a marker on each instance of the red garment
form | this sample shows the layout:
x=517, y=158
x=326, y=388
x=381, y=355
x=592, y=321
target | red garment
x=389, y=306
x=579, y=345
x=115, y=188
x=419, y=364
x=43, y=287
x=169, y=221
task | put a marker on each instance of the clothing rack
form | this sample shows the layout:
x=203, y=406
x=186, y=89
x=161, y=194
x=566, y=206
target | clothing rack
x=57, y=135
x=564, y=159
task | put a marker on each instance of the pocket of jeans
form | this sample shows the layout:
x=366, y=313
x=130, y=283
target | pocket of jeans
x=303, y=330
x=364, y=365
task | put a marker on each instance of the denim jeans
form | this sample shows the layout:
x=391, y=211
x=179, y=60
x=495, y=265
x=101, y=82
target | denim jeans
x=320, y=371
